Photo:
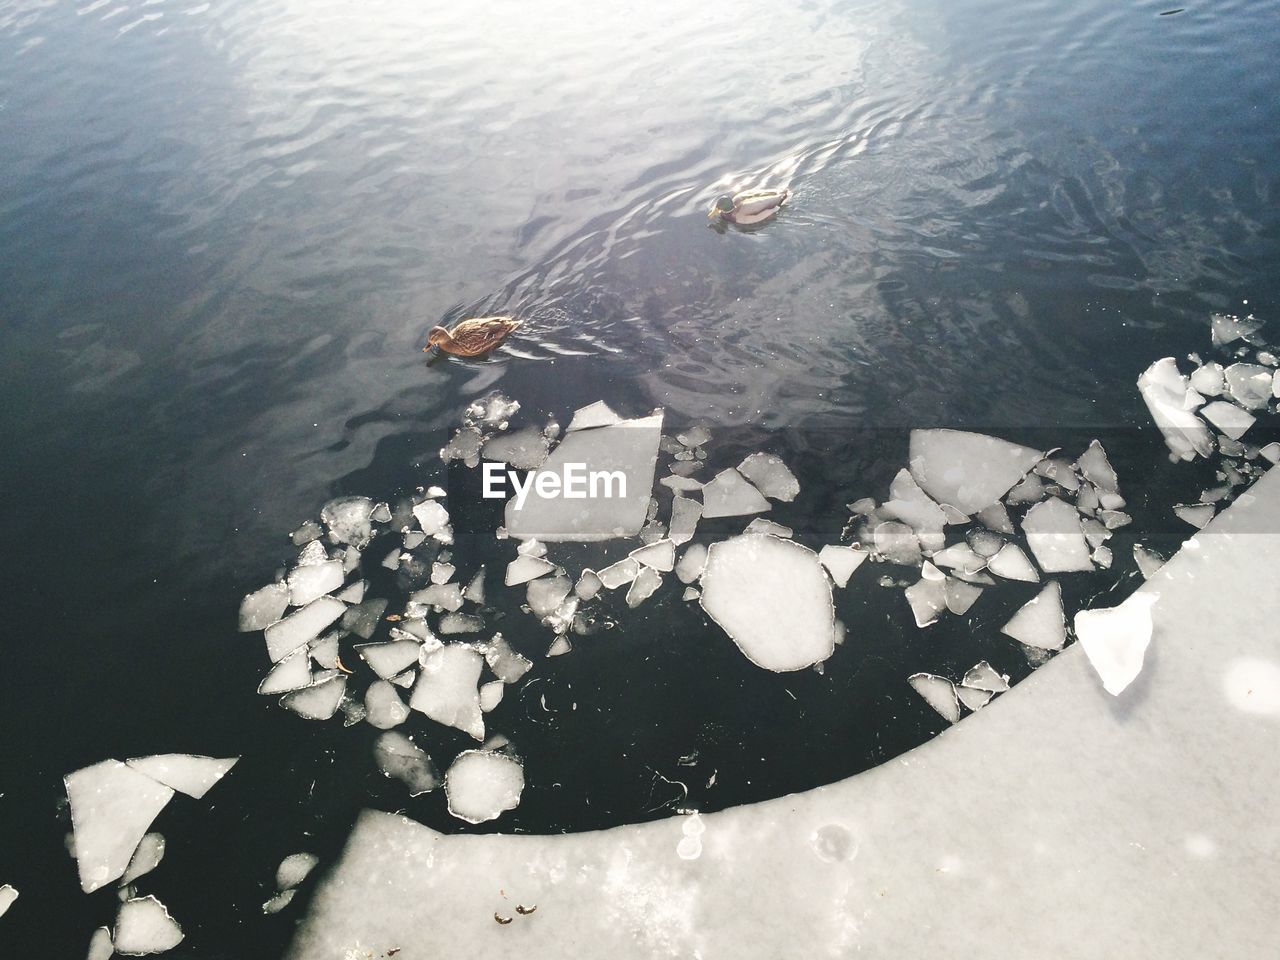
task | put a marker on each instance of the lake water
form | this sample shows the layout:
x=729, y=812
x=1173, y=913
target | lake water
x=225, y=230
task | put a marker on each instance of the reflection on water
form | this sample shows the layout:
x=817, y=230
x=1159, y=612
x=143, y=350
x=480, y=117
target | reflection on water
x=226, y=228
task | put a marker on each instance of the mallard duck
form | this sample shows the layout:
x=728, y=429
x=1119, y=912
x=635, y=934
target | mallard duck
x=750, y=206
x=472, y=337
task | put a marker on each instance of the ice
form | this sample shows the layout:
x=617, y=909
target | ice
x=729, y=495
x=973, y=699
x=1271, y=452
x=1249, y=385
x=442, y=572
x=928, y=596
x=318, y=701
x=8, y=894
x=381, y=513
x=1114, y=519
x=348, y=520
x=969, y=471
x=995, y=517
x=383, y=707
x=350, y=559
x=547, y=593
x=401, y=759
x=982, y=676
x=453, y=623
x=771, y=476
x=841, y=562
x=696, y=436
x=291, y=673
x=1097, y=469
x=680, y=484
x=983, y=542
x=481, y=785
x=524, y=449
x=1208, y=380
x=388, y=659
x=643, y=586
x=1102, y=557
x=962, y=557
x=447, y=692
x=1012, y=564
x=1229, y=418
x=687, y=468
x=897, y=543
x=523, y=569
x=652, y=532
x=492, y=410
x=1058, y=470
x=660, y=555
x=144, y=927
x=295, y=868
x=1040, y=623
x=761, y=525
x=192, y=775
x=685, y=514
x=353, y=593
x=616, y=574
x=362, y=619
x=597, y=414
x=1171, y=401
x=491, y=694
x=1147, y=559
x=432, y=517
x=1055, y=536
x=960, y=595
x=938, y=692
x=588, y=585
x=1196, y=514
x=475, y=589
x=559, y=647
x=915, y=508
x=301, y=626
x=310, y=582
x=112, y=805
x=772, y=597
x=445, y=596
x=531, y=548
x=260, y=609
x=100, y=945
x=278, y=902
x=1227, y=329
x=1095, y=531
x=465, y=446
x=313, y=552
x=1029, y=490
x=691, y=593
x=691, y=563
x=1115, y=640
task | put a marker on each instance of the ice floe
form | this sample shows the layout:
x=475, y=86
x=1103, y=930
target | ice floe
x=1172, y=402
x=112, y=807
x=1012, y=564
x=841, y=562
x=294, y=869
x=523, y=569
x=185, y=773
x=1115, y=640
x=401, y=759
x=691, y=563
x=938, y=692
x=524, y=449
x=481, y=785
x=144, y=927
x=260, y=609
x=1040, y=622
x=768, y=474
x=383, y=707
x=728, y=494
x=319, y=701
x=969, y=471
x=8, y=895
x=301, y=626
x=596, y=414
x=1053, y=531
x=447, y=689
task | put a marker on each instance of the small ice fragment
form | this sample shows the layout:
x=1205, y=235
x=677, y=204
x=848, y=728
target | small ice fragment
x=1116, y=639
x=8, y=894
x=400, y=758
x=772, y=597
x=864, y=507
x=1040, y=622
x=960, y=596
x=1148, y=560
x=313, y=552
x=691, y=593
x=729, y=495
x=938, y=692
x=446, y=596
x=1095, y=531
x=475, y=589
x=616, y=574
x=1102, y=557
x=318, y=701
x=184, y=772
x=295, y=868
x=491, y=694
x=660, y=555
x=348, y=520
x=260, y=609
x=985, y=543
x=1227, y=329
x=969, y=471
x=643, y=586
x=1012, y=564
x=1097, y=469
x=685, y=514
x=362, y=619
x=691, y=563
x=897, y=543
x=447, y=692
x=381, y=513
x=313, y=581
x=452, y=623
x=687, y=468
x=291, y=673
x=432, y=517
x=481, y=785
x=145, y=859
x=559, y=647
x=770, y=476
x=1171, y=401
x=695, y=436
x=995, y=517
x=1208, y=380
x=383, y=707
x=670, y=445
x=1229, y=418
x=278, y=902
x=761, y=525
x=1029, y=490
x=112, y=805
x=1196, y=514
x=523, y=569
x=962, y=557
x=973, y=699
x=915, y=508
x=100, y=945
x=680, y=484
x=392, y=560
x=308, y=531
x=597, y=414
x=841, y=562
x=1114, y=519
x=301, y=626
x=492, y=410
x=389, y=659
x=1249, y=385
x=524, y=449
x=442, y=572
x=465, y=446
x=927, y=598
x=352, y=593
x=1053, y=531
x=545, y=594
x=404, y=680
x=588, y=585
x=982, y=676
x=144, y=927
x=652, y=532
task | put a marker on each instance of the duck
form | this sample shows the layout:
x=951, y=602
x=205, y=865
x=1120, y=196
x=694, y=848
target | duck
x=750, y=206
x=473, y=337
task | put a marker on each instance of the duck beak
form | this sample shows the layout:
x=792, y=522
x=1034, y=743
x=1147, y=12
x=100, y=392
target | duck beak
x=713, y=213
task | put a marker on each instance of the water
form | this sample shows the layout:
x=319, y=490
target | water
x=226, y=228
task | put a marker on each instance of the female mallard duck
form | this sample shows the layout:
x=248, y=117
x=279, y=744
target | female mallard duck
x=750, y=206
x=472, y=337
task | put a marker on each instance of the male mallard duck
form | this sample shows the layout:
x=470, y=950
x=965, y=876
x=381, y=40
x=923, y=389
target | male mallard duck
x=750, y=206
x=472, y=337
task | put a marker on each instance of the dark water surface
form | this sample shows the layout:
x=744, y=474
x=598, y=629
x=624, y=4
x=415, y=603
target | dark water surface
x=226, y=227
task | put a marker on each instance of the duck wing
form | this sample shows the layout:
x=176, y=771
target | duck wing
x=758, y=201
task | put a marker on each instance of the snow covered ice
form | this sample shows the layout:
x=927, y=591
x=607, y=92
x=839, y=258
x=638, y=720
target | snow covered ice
x=1116, y=639
x=481, y=785
x=349, y=520
x=263, y=607
x=313, y=581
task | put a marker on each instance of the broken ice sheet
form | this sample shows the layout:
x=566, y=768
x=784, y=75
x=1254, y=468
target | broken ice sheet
x=770, y=476
x=1171, y=401
x=310, y=582
x=597, y=414
x=348, y=520
x=1148, y=560
x=362, y=619
x=443, y=596
x=960, y=596
x=523, y=569
x=192, y=775
x=491, y=695
x=1228, y=418
x=383, y=707
x=389, y=659
x=465, y=446
x=1115, y=640
x=969, y=471
x=1196, y=514
x=401, y=759
x=660, y=555
x=973, y=699
x=616, y=574
x=1208, y=380
x=685, y=514
x=729, y=495
x=927, y=596
x=1227, y=329
x=291, y=673
x=917, y=510
x=1040, y=622
x=1053, y=531
x=432, y=517
x=144, y=927
x=260, y=609
x=694, y=437
x=112, y=806
x=524, y=449
x=643, y=586
x=481, y=785
x=691, y=563
x=492, y=410
x=100, y=946
x=454, y=623
x=301, y=626
x=938, y=692
x=982, y=676
x=1012, y=564
x=588, y=585
x=278, y=902
x=318, y=701
x=897, y=543
x=546, y=594
x=1249, y=385
x=841, y=562
x=761, y=525
x=8, y=894
x=447, y=689
x=773, y=598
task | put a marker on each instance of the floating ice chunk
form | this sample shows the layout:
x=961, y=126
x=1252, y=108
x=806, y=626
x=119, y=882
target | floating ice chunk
x=680, y=484
x=432, y=517
x=685, y=514
x=389, y=659
x=1227, y=329
x=1054, y=534
x=452, y=623
x=1196, y=514
x=1115, y=640
x=597, y=414
x=491, y=695
x=938, y=692
x=915, y=508
x=144, y=927
x=1171, y=401
x=643, y=586
x=278, y=902
x=588, y=585
x=960, y=595
x=729, y=495
x=691, y=563
x=381, y=513
x=308, y=583
x=1058, y=470
x=546, y=594
x=652, y=532
x=973, y=699
x=772, y=597
x=761, y=525
x=1229, y=418
x=260, y=609
x=960, y=556
x=318, y=701
x=696, y=436
x=362, y=619
x=481, y=785
x=982, y=676
x=313, y=552
x=770, y=476
x=100, y=945
x=308, y=531
x=492, y=410
x=295, y=868
x=928, y=596
x=996, y=518
x=8, y=894
x=348, y=520
x=465, y=446
x=1208, y=380
x=969, y=471
x=112, y=805
x=841, y=562
x=1114, y=519
x=1029, y=490
x=291, y=673
x=691, y=593
x=445, y=596
x=523, y=569
x=660, y=555
x=475, y=589
x=404, y=680
x=897, y=543
x=383, y=707
x=1012, y=564
x=616, y=574
x=1102, y=557
x=1097, y=469
x=1040, y=623
x=524, y=449
x=1148, y=560
x=352, y=593
x=442, y=572
x=447, y=692
x=192, y=775
x=301, y=626
x=1249, y=385
x=559, y=647
x=401, y=759
x=985, y=543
